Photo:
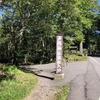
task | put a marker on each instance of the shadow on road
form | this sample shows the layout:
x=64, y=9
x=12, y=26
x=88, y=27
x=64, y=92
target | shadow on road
x=38, y=72
x=94, y=55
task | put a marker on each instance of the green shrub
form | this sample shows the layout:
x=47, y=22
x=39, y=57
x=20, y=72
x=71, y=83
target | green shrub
x=73, y=52
x=85, y=51
x=12, y=70
x=72, y=58
x=77, y=53
x=17, y=87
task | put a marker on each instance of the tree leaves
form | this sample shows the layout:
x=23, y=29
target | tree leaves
x=32, y=25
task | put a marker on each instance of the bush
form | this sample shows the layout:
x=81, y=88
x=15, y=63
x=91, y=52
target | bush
x=85, y=51
x=17, y=87
x=73, y=52
x=72, y=58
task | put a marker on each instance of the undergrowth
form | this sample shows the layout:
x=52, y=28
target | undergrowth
x=72, y=58
x=14, y=83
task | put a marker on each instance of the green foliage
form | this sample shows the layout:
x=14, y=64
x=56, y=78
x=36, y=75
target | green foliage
x=30, y=27
x=74, y=52
x=26, y=58
x=12, y=70
x=9, y=72
x=85, y=51
x=72, y=58
x=17, y=87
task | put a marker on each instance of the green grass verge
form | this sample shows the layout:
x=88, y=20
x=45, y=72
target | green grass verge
x=15, y=84
x=62, y=93
x=72, y=58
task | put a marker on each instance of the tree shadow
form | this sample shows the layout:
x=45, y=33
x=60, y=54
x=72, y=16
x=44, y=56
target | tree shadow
x=94, y=55
x=36, y=72
x=4, y=75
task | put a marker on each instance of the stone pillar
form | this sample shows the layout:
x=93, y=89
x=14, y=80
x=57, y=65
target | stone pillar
x=59, y=52
x=81, y=48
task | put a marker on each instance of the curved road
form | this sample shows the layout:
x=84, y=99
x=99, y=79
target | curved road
x=87, y=86
x=96, y=59
x=84, y=78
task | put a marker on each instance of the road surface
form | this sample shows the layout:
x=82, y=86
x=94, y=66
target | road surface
x=87, y=86
x=84, y=78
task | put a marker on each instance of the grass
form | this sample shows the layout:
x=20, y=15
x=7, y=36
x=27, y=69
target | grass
x=15, y=84
x=72, y=58
x=62, y=94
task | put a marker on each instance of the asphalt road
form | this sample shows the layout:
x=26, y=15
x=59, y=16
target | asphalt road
x=87, y=86
x=84, y=78
x=97, y=59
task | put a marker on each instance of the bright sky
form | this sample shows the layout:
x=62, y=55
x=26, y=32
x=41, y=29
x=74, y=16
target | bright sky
x=99, y=2
x=1, y=12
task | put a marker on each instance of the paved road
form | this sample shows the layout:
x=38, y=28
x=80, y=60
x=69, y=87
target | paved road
x=96, y=59
x=87, y=86
x=84, y=78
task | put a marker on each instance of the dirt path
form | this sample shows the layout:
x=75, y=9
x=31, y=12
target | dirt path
x=42, y=92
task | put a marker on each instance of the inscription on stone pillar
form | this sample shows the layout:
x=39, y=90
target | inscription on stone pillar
x=59, y=46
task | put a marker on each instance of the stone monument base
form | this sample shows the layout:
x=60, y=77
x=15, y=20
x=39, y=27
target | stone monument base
x=59, y=76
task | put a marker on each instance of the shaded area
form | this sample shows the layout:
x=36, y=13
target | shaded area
x=94, y=55
x=5, y=73
x=39, y=72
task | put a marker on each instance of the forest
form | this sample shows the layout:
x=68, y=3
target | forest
x=28, y=28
